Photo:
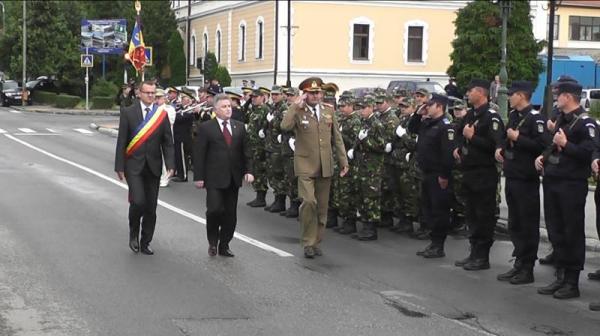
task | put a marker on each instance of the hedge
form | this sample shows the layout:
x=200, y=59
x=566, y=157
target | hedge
x=102, y=103
x=66, y=101
x=44, y=97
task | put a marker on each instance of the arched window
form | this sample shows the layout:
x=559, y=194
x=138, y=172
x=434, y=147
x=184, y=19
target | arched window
x=205, y=43
x=260, y=39
x=242, y=42
x=192, y=59
x=218, y=46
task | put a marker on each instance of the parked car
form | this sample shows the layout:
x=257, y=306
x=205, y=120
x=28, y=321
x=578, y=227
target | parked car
x=589, y=97
x=42, y=83
x=360, y=92
x=412, y=86
x=11, y=93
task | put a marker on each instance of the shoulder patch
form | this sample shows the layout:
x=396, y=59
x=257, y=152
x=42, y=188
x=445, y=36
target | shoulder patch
x=446, y=121
x=540, y=126
x=450, y=134
x=493, y=111
x=591, y=130
x=495, y=124
x=534, y=112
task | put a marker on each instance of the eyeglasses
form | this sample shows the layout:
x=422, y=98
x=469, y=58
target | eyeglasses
x=149, y=93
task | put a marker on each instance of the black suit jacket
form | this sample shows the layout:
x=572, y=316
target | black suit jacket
x=215, y=162
x=151, y=152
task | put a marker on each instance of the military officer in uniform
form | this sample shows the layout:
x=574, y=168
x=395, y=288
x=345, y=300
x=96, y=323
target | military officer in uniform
x=316, y=132
x=273, y=143
x=482, y=132
x=565, y=165
x=526, y=138
x=256, y=135
x=287, y=153
x=434, y=156
x=182, y=135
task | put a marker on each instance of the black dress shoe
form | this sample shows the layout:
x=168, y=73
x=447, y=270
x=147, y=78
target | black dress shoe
x=134, y=245
x=434, y=252
x=506, y=276
x=226, y=253
x=309, y=252
x=524, y=276
x=146, y=250
x=212, y=250
x=477, y=265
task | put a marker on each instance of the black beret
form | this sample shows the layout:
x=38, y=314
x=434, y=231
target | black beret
x=438, y=98
x=517, y=86
x=482, y=83
x=570, y=87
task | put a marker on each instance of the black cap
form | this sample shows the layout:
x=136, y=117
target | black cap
x=482, y=83
x=570, y=87
x=517, y=86
x=563, y=79
x=211, y=92
x=438, y=98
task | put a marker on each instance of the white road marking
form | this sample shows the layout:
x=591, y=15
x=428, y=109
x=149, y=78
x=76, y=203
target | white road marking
x=36, y=134
x=26, y=130
x=51, y=130
x=165, y=205
x=2, y=131
x=83, y=130
x=14, y=111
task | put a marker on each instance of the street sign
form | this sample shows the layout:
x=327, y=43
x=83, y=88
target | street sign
x=148, y=51
x=87, y=60
x=104, y=36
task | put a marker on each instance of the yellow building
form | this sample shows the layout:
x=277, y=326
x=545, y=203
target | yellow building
x=352, y=43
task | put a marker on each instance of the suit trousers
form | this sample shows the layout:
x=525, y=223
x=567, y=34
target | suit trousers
x=143, y=197
x=523, y=200
x=435, y=203
x=564, y=212
x=221, y=214
x=314, y=192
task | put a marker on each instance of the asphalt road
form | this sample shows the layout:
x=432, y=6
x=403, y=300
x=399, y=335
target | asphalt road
x=66, y=268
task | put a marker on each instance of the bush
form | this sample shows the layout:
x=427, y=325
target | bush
x=222, y=75
x=595, y=110
x=102, y=103
x=43, y=97
x=66, y=101
x=104, y=88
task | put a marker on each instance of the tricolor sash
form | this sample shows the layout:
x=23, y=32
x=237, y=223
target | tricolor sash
x=152, y=121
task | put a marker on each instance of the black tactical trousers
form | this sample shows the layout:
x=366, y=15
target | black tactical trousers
x=523, y=200
x=435, y=203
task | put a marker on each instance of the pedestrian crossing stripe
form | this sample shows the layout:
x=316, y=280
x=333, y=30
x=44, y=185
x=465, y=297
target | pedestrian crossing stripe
x=2, y=131
x=14, y=111
x=26, y=130
x=82, y=130
x=51, y=130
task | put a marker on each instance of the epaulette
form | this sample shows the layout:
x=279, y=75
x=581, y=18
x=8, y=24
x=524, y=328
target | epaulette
x=534, y=112
x=327, y=105
x=493, y=111
x=446, y=121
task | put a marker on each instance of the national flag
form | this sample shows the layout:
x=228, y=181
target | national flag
x=137, y=54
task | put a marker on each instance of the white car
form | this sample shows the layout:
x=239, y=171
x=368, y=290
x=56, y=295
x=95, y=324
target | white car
x=589, y=97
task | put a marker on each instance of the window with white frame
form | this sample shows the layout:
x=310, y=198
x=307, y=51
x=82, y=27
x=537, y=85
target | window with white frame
x=242, y=42
x=205, y=43
x=260, y=31
x=218, y=46
x=192, y=55
x=415, y=42
x=361, y=31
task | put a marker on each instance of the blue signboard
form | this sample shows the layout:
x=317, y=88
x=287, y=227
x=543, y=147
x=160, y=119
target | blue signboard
x=104, y=36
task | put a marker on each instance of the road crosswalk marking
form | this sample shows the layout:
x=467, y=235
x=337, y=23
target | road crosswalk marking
x=83, y=130
x=26, y=130
x=2, y=131
x=51, y=130
x=14, y=111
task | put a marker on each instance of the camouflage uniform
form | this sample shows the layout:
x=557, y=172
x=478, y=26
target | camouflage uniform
x=256, y=119
x=273, y=141
x=458, y=204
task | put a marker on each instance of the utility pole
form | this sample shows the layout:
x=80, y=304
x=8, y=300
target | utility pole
x=23, y=86
x=288, y=82
x=548, y=97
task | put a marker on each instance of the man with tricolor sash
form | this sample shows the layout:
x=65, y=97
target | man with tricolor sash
x=144, y=138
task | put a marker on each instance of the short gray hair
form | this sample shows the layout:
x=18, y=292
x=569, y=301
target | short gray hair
x=219, y=97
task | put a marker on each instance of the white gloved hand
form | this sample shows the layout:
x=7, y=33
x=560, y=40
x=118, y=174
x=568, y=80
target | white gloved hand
x=261, y=134
x=340, y=128
x=279, y=138
x=270, y=117
x=292, y=143
x=246, y=127
x=362, y=134
x=400, y=131
x=351, y=154
x=388, y=147
x=407, y=157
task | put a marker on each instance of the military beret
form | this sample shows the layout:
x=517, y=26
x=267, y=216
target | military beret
x=422, y=91
x=570, y=87
x=563, y=79
x=523, y=86
x=311, y=84
x=438, y=98
x=276, y=89
x=482, y=83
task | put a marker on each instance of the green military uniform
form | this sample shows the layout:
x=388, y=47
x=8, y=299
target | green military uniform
x=256, y=134
x=368, y=153
x=458, y=203
x=287, y=154
x=389, y=186
x=329, y=92
x=273, y=144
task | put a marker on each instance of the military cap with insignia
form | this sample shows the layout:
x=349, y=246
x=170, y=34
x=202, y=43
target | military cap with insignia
x=233, y=95
x=570, y=87
x=292, y=91
x=459, y=104
x=520, y=86
x=264, y=90
x=563, y=79
x=246, y=89
x=311, y=84
x=210, y=92
x=256, y=93
x=438, y=98
x=330, y=87
x=422, y=91
x=481, y=83
x=159, y=93
x=276, y=89
x=187, y=92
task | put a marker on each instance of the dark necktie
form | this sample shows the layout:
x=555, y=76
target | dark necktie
x=147, y=113
x=226, y=133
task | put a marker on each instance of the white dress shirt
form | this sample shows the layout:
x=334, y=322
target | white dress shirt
x=144, y=109
x=220, y=121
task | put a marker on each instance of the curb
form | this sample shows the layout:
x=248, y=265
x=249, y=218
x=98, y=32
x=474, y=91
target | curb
x=71, y=112
x=105, y=130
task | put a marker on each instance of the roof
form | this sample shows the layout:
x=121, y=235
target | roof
x=586, y=3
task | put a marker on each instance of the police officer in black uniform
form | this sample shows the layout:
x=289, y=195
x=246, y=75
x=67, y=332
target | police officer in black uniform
x=482, y=132
x=566, y=166
x=526, y=139
x=182, y=135
x=434, y=157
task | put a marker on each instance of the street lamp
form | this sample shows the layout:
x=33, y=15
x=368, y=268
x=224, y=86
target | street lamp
x=505, y=6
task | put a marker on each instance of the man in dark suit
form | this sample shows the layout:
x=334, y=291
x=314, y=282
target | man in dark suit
x=222, y=159
x=144, y=137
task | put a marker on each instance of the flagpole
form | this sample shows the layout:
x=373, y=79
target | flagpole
x=138, y=8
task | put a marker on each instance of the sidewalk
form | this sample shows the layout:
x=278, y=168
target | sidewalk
x=55, y=110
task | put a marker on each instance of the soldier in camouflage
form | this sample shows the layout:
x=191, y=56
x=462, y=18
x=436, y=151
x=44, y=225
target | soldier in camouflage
x=458, y=202
x=389, y=188
x=287, y=154
x=256, y=139
x=273, y=141
x=329, y=92
x=367, y=153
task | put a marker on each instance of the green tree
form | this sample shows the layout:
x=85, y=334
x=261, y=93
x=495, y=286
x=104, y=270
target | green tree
x=210, y=66
x=476, y=48
x=222, y=75
x=175, y=70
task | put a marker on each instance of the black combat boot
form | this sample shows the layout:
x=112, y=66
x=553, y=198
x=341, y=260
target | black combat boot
x=404, y=225
x=259, y=201
x=570, y=289
x=436, y=251
x=463, y=262
x=558, y=283
x=506, y=276
x=523, y=276
x=548, y=259
x=480, y=258
x=387, y=219
x=422, y=252
x=369, y=232
x=279, y=204
x=348, y=226
x=292, y=211
x=332, y=218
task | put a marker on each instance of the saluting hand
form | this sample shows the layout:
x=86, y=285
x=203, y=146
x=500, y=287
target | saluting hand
x=469, y=131
x=560, y=138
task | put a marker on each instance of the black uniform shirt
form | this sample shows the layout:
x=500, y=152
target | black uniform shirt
x=435, y=145
x=478, y=152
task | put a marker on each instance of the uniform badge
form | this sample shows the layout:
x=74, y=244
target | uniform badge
x=592, y=131
x=495, y=125
x=451, y=134
x=540, y=128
